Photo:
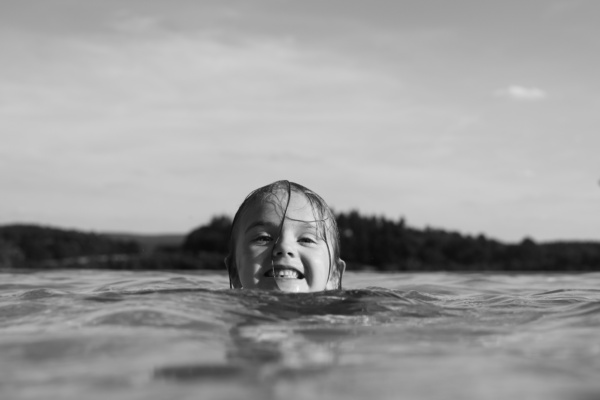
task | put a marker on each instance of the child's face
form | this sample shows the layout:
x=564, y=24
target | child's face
x=298, y=262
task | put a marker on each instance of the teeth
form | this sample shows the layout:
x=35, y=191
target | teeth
x=283, y=273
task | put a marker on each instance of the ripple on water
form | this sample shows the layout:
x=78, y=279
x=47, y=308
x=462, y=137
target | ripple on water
x=41, y=293
x=10, y=314
x=585, y=314
x=429, y=336
x=147, y=317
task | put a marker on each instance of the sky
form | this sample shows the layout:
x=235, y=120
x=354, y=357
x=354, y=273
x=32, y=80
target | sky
x=149, y=116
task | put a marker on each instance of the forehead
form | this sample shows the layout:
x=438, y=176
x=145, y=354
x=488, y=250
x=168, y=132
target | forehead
x=272, y=207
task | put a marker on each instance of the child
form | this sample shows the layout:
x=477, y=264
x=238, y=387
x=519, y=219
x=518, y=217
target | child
x=284, y=236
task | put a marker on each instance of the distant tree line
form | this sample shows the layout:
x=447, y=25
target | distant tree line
x=367, y=242
x=33, y=245
x=382, y=244
x=391, y=245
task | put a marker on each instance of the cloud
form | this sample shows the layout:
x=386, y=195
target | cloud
x=517, y=92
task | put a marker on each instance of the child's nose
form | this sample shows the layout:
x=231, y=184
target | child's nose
x=283, y=248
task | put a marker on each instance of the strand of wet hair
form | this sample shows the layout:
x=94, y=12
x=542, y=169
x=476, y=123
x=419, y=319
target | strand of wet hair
x=287, y=204
x=324, y=228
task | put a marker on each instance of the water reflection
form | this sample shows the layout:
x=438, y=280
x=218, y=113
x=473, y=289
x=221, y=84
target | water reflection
x=277, y=336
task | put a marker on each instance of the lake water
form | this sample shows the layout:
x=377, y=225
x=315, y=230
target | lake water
x=181, y=335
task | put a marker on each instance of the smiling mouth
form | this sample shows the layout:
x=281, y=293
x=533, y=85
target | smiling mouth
x=284, y=272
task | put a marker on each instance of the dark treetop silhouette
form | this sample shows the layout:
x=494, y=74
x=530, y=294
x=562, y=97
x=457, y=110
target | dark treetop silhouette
x=367, y=242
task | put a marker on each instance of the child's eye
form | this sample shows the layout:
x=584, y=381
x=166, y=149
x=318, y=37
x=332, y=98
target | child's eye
x=307, y=240
x=263, y=239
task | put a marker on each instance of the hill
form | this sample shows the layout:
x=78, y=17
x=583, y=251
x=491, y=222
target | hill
x=25, y=245
x=150, y=243
x=41, y=247
x=366, y=242
x=383, y=244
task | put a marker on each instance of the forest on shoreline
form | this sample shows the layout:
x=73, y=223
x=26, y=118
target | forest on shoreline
x=367, y=242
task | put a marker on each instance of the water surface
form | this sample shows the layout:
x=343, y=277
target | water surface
x=184, y=335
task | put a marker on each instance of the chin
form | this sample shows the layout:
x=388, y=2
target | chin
x=292, y=285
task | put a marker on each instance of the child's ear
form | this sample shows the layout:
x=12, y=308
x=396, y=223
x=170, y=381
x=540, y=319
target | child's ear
x=335, y=279
x=342, y=266
x=234, y=278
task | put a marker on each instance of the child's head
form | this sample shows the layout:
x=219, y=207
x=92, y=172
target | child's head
x=284, y=236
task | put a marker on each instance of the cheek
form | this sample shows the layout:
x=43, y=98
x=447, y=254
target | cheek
x=251, y=258
x=320, y=271
x=257, y=254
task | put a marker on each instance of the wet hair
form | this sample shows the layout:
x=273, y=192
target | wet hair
x=326, y=224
